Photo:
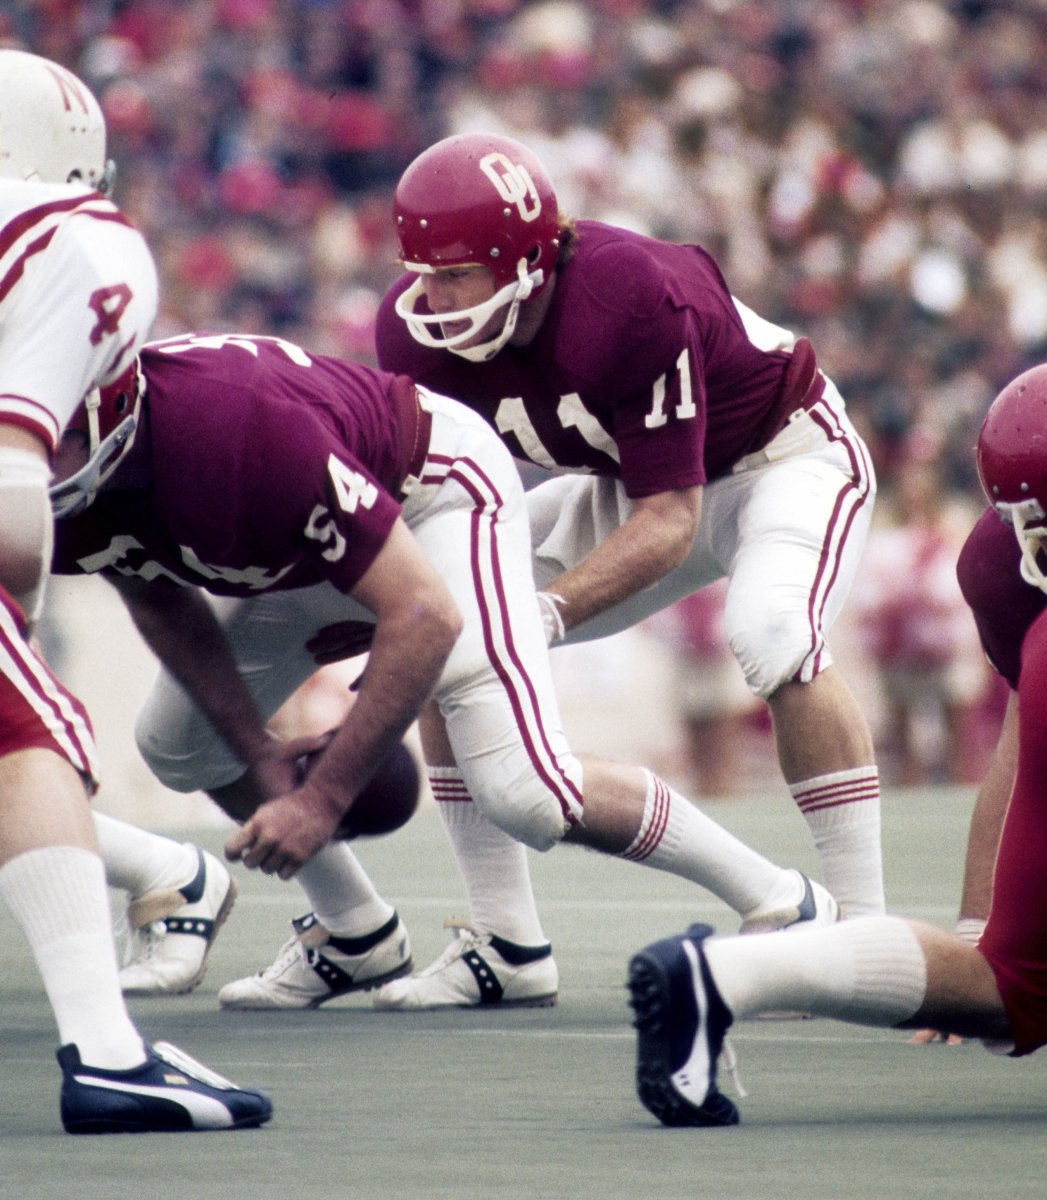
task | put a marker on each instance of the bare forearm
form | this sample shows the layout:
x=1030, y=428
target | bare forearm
x=404, y=666
x=406, y=660
x=987, y=819
x=653, y=541
x=182, y=630
x=416, y=628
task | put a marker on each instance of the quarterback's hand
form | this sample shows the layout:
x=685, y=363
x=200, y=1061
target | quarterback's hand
x=342, y=640
x=969, y=930
x=924, y=1037
x=284, y=834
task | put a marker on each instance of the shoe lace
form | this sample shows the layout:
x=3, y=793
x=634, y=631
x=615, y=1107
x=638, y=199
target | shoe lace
x=190, y=1066
x=142, y=945
x=465, y=939
x=729, y=1062
x=290, y=951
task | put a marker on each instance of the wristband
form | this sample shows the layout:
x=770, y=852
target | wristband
x=552, y=621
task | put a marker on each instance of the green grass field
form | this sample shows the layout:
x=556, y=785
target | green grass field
x=540, y=1103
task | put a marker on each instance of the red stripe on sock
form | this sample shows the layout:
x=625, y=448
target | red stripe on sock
x=658, y=808
x=833, y=795
x=446, y=791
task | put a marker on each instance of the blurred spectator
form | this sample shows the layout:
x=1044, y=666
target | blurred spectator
x=872, y=175
x=718, y=715
x=916, y=630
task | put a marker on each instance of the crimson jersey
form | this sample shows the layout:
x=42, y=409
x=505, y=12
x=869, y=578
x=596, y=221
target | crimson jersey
x=1003, y=604
x=270, y=468
x=1010, y=615
x=644, y=369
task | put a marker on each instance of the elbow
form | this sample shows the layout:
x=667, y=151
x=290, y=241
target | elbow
x=451, y=624
x=442, y=621
x=680, y=548
x=667, y=525
x=678, y=540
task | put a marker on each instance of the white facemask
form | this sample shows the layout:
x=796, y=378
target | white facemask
x=420, y=324
x=1027, y=517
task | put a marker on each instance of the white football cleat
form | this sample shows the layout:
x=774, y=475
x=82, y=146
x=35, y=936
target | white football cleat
x=477, y=970
x=315, y=966
x=170, y=932
x=814, y=908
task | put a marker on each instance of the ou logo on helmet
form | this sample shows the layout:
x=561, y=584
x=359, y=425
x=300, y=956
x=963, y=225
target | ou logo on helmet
x=513, y=183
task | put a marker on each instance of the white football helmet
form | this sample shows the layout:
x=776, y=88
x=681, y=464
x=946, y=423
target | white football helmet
x=1012, y=465
x=51, y=126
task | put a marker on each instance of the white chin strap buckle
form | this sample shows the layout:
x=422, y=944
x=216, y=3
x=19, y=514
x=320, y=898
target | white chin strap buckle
x=1023, y=515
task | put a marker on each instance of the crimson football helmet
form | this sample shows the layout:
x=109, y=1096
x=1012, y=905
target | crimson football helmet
x=51, y=127
x=1012, y=464
x=476, y=198
x=108, y=420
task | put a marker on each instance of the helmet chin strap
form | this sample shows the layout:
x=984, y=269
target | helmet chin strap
x=108, y=180
x=1030, y=568
x=513, y=295
x=1021, y=516
x=73, y=494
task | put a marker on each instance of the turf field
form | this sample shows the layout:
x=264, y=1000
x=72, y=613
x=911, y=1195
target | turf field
x=540, y=1103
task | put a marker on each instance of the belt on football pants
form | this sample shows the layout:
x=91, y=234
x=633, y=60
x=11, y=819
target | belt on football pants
x=416, y=427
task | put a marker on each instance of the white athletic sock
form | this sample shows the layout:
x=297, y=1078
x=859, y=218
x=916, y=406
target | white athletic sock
x=870, y=971
x=341, y=894
x=139, y=861
x=842, y=811
x=494, y=865
x=677, y=837
x=58, y=897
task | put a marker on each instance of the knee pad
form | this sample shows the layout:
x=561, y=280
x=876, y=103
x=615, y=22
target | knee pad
x=182, y=749
x=775, y=647
x=511, y=793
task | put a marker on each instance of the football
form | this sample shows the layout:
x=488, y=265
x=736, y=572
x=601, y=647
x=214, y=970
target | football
x=387, y=802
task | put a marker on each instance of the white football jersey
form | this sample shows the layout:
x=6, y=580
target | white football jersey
x=78, y=295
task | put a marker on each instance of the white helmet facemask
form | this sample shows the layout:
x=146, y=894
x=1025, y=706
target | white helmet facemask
x=512, y=296
x=1027, y=518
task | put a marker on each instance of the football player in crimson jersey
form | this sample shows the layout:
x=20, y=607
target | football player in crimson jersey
x=292, y=484
x=989, y=978
x=77, y=296
x=692, y=438
x=998, y=563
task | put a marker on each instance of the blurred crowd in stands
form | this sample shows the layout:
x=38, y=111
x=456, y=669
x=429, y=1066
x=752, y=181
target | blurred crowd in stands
x=870, y=173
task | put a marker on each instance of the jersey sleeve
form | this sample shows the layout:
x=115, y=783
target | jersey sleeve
x=394, y=346
x=360, y=516
x=647, y=355
x=74, y=317
x=660, y=420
